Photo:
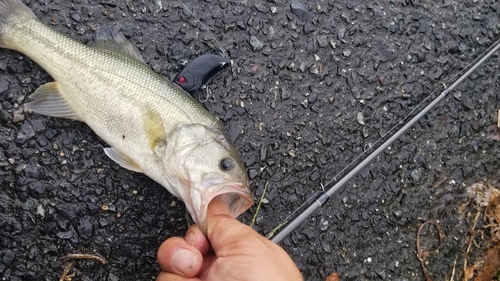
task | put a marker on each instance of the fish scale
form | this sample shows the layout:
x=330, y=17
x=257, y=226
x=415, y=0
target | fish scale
x=152, y=125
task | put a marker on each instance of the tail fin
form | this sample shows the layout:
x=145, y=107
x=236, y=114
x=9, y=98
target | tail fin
x=11, y=12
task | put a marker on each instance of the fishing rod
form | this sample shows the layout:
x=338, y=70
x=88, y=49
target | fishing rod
x=323, y=197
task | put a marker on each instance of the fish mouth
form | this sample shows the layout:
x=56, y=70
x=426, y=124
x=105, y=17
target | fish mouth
x=236, y=197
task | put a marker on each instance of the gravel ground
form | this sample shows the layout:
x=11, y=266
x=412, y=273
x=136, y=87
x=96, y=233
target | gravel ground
x=310, y=89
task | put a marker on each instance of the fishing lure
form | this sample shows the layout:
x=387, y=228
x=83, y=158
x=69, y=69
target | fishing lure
x=199, y=71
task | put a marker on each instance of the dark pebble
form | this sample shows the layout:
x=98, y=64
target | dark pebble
x=36, y=189
x=4, y=85
x=300, y=10
x=416, y=175
x=33, y=171
x=8, y=257
x=313, y=97
x=76, y=17
x=85, y=228
x=252, y=173
x=69, y=211
x=234, y=132
x=255, y=43
x=308, y=233
x=103, y=222
x=314, y=176
x=308, y=28
x=285, y=94
x=65, y=234
x=261, y=8
x=38, y=125
x=326, y=247
x=25, y=133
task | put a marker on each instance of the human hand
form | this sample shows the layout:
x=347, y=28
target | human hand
x=233, y=251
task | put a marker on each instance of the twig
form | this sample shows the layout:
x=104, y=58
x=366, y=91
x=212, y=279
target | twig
x=470, y=243
x=423, y=255
x=84, y=257
x=271, y=234
x=440, y=182
x=258, y=206
x=453, y=270
x=66, y=271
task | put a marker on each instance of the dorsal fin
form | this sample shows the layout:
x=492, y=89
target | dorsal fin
x=111, y=39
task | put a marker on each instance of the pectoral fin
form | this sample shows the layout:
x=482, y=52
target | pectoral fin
x=153, y=126
x=111, y=39
x=122, y=160
x=47, y=100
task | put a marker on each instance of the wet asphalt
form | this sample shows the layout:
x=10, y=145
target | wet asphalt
x=312, y=85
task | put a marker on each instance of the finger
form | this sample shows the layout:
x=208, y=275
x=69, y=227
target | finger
x=196, y=238
x=166, y=276
x=176, y=256
x=208, y=261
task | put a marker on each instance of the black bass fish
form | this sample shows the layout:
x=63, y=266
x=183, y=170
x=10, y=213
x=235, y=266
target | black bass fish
x=152, y=126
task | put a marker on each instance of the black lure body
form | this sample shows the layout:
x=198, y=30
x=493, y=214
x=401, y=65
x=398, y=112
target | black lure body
x=199, y=71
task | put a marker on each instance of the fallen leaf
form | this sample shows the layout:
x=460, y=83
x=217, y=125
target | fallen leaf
x=469, y=272
x=333, y=277
x=491, y=266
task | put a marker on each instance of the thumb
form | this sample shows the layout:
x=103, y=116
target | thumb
x=222, y=228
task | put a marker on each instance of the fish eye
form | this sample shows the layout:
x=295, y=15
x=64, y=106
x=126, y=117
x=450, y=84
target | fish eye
x=226, y=164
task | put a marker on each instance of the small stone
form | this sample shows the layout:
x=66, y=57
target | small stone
x=308, y=28
x=322, y=41
x=65, y=234
x=300, y=10
x=85, y=228
x=305, y=103
x=314, y=176
x=416, y=175
x=313, y=97
x=76, y=17
x=324, y=225
x=252, y=173
x=25, y=133
x=38, y=126
x=285, y=94
x=36, y=189
x=314, y=69
x=397, y=213
x=326, y=247
x=302, y=66
x=18, y=115
x=263, y=153
x=308, y=233
x=28, y=205
x=8, y=257
x=157, y=68
x=68, y=211
x=261, y=8
x=40, y=211
x=4, y=85
x=113, y=277
x=255, y=43
x=360, y=118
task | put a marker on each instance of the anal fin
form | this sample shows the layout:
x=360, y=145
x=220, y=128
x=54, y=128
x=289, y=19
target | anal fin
x=122, y=160
x=47, y=100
